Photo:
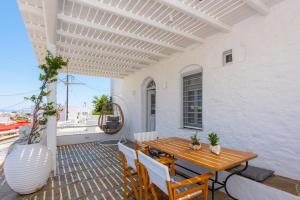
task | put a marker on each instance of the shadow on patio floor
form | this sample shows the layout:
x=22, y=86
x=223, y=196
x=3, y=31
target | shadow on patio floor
x=85, y=171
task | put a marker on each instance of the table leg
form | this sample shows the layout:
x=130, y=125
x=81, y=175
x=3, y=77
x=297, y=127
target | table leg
x=213, y=190
x=216, y=184
x=230, y=175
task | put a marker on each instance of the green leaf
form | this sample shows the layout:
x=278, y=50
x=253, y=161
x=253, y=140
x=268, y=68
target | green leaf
x=49, y=71
x=213, y=138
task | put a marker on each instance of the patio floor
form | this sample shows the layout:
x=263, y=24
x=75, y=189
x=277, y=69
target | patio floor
x=85, y=171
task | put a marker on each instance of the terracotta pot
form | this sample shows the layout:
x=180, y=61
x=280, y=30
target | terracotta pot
x=27, y=168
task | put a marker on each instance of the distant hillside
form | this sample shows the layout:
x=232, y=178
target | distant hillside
x=16, y=111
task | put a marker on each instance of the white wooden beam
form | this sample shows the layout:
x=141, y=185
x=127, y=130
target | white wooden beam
x=82, y=65
x=35, y=27
x=259, y=6
x=115, y=31
x=50, y=19
x=176, y=4
x=80, y=48
x=102, y=64
x=30, y=9
x=66, y=46
x=94, y=71
x=109, y=43
x=123, y=13
x=98, y=68
x=100, y=58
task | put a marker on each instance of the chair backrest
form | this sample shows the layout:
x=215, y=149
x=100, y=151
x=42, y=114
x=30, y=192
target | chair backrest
x=145, y=136
x=129, y=154
x=157, y=172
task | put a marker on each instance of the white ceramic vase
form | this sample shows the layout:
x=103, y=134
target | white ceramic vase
x=27, y=168
x=216, y=149
x=195, y=147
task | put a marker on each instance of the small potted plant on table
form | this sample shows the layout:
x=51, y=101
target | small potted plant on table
x=214, y=146
x=195, y=145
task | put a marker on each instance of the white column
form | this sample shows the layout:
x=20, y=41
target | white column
x=50, y=8
x=52, y=126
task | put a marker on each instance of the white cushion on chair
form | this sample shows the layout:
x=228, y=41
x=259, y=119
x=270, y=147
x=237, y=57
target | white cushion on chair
x=145, y=136
x=158, y=173
x=129, y=154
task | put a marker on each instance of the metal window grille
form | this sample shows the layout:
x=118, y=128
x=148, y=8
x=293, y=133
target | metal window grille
x=192, y=101
x=227, y=57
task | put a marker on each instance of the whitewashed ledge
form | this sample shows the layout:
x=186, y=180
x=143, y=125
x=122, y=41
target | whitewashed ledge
x=77, y=137
x=245, y=189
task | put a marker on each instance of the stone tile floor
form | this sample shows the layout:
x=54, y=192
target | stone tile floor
x=85, y=171
x=93, y=171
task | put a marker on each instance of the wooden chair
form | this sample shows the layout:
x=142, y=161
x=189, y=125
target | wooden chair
x=130, y=169
x=157, y=174
x=146, y=136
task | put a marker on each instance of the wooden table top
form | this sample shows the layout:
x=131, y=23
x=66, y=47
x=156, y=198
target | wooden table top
x=180, y=148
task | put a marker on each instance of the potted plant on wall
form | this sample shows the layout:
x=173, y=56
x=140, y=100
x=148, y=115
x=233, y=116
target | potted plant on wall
x=195, y=145
x=42, y=121
x=29, y=162
x=214, y=146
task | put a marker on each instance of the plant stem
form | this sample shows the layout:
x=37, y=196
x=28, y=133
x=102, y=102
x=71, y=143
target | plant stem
x=35, y=112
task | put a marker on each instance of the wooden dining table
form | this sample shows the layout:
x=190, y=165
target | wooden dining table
x=226, y=160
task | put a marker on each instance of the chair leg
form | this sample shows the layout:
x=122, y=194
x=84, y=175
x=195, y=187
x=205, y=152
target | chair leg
x=172, y=167
x=146, y=190
x=122, y=157
x=125, y=185
x=146, y=193
x=140, y=186
x=153, y=192
x=140, y=179
x=205, y=191
x=133, y=187
x=145, y=182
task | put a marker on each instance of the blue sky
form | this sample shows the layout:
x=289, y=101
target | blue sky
x=19, y=70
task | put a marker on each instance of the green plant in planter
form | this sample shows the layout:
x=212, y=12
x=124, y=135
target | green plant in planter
x=195, y=139
x=213, y=138
x=42, y=110
x=42, y=121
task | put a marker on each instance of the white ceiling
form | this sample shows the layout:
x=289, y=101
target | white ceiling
x=114, y=38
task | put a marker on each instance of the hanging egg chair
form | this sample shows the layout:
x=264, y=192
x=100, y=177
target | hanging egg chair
x=111, y=119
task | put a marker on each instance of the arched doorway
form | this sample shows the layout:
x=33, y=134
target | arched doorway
x=151, y=106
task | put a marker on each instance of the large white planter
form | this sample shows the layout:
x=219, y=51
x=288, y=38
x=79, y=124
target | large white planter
x=27, y=168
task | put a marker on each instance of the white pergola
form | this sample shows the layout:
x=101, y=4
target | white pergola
x=115, y=38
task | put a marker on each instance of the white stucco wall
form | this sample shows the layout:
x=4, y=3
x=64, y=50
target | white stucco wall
x=253, y=104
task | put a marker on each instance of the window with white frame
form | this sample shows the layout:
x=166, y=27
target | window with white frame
x=192, y=101
x=227, y=57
